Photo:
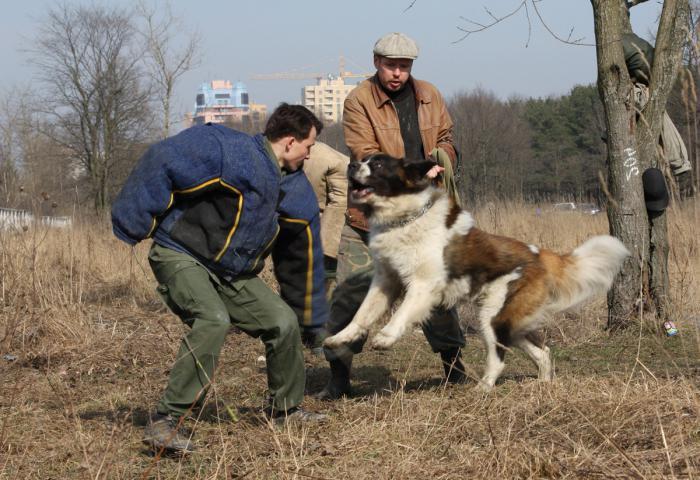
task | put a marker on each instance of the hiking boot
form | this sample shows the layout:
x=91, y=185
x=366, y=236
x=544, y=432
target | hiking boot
x=164, y=432
x=454, y=368
x=339, y=384
x=297, y=415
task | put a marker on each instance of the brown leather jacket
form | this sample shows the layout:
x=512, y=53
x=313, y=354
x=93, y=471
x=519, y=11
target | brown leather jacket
x=371, y=125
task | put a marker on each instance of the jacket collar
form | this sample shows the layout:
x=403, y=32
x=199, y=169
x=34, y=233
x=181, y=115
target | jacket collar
x=380, y=96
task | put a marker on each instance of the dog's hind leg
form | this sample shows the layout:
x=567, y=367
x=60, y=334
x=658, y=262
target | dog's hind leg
x=533, y=345
x=495, y=328
x=495, y=339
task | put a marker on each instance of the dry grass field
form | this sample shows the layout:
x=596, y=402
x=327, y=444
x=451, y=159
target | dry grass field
x=85, y=347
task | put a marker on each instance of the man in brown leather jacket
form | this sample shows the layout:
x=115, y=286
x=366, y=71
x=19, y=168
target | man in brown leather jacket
x=399, y=115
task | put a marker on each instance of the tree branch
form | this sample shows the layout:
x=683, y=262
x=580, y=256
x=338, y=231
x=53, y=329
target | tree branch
x=524, y=5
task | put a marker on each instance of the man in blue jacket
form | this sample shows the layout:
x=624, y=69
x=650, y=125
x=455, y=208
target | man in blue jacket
x=214, y=200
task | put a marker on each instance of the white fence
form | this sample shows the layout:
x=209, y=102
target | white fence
x=21, y=219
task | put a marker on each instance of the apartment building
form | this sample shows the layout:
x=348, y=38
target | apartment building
x=326, y=98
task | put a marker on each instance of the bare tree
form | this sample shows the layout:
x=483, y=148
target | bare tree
x=494, y=142
x=632, y=147
x=90, y=64
x=34, y=171
x=166, y=64
x=12, y=116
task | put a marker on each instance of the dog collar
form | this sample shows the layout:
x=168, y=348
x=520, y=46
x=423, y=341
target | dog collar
x=406, y=220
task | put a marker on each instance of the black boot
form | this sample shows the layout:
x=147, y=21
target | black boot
x=454, y=368
x=339, y=383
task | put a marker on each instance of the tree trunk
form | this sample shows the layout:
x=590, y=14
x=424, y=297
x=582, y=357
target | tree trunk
x=166, y=110
x=672, y=34
x=626, y=212
x=659, y=285
x=632, y=147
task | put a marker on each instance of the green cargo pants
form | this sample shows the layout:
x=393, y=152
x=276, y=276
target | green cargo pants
x=209, y=306
x=354, y=276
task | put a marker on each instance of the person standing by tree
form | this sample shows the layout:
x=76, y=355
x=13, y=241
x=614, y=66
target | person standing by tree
x=396, y=114
x=639, y=56
x=211, y=197
x=673, y=155
x=633, y=144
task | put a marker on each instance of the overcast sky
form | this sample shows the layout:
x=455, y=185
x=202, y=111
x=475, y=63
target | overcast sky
x=243, y=38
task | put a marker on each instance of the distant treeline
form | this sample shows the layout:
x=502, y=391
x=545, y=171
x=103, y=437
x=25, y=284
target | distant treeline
x=530, y=148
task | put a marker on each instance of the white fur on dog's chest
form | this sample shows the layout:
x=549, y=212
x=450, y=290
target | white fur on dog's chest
x=403, y=251
x=415, y=254
x=417, y=242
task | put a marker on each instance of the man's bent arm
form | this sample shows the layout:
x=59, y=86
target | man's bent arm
x=444, y=139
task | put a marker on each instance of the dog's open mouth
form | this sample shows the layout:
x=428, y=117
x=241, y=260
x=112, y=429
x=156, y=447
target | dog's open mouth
x=359, y=190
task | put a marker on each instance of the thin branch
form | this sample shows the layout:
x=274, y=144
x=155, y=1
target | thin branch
x=529, y=26
x=480, y=27
x=578, y=41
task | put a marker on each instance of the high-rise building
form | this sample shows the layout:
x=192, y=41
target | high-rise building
x=221, y=102
x=326, y=98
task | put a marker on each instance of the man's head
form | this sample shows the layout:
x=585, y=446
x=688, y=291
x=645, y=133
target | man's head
x=292, y=131
x=393, y=58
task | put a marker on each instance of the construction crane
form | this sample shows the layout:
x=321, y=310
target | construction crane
x=342, y=73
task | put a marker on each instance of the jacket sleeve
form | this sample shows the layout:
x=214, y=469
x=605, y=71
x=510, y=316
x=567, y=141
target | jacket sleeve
x=146, y=195
x=444, y=139
x=297, y=254
x=359, y=134
x=639, y=57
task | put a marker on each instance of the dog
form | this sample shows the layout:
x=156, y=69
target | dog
x=427, y=247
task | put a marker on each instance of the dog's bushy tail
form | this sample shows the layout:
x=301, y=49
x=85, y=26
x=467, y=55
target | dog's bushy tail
x=589, y=270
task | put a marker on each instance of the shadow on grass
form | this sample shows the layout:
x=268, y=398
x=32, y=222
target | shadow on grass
x=366, y=379
x=138, y=417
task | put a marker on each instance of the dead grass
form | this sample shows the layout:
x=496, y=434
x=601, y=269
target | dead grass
x=93, y=346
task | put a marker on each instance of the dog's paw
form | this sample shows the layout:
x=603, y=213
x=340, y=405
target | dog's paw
x=333, y=342
x=347, y=335
x=383, y=340
x=484, y=386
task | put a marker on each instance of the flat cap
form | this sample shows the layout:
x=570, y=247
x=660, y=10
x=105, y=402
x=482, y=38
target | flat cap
x=396, y=45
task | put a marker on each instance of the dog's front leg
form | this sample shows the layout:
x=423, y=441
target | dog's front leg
x=382, y=293
x=414, y=310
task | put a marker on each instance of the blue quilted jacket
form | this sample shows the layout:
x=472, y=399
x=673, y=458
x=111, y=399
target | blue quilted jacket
x=215, y=194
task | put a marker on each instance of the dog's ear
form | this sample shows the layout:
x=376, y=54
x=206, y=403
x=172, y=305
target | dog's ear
x=416, y=169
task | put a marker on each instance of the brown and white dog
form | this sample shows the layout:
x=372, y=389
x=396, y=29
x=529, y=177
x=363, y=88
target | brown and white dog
x=424, y=245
